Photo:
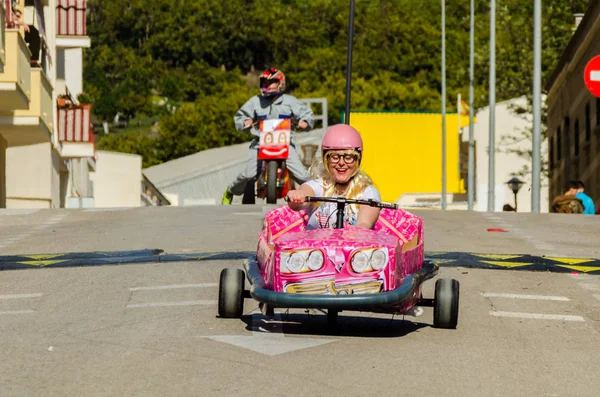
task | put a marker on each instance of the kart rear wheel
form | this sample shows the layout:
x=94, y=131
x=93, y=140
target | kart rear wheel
x=445, y=305
x=231, y=293
x=272, y=182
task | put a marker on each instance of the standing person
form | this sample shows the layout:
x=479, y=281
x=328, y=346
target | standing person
x=271, y=103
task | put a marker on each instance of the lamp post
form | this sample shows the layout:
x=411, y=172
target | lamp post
x=515, y=185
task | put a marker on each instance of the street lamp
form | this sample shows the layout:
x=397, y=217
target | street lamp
x=515, y=185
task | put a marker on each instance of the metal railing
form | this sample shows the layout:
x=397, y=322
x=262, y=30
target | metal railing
x=71, y=17
x=74, y=123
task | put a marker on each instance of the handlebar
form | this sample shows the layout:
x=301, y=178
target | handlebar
x=343, y=200
x=341, y=204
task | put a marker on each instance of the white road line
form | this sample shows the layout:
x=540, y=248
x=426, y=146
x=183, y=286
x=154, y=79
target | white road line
x=521, y=296
x=590, y=287
x=18, y=312
x=165, y=304
x=175, y=286
x=103, y=209
x=537, y=316
x=19, y=296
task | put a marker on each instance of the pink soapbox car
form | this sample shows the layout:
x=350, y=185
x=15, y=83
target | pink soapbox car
x=343, y=268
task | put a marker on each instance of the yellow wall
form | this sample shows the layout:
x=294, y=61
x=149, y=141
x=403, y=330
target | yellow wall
x=403, y=151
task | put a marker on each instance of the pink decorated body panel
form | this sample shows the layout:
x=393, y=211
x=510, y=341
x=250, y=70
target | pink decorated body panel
x=397, y=236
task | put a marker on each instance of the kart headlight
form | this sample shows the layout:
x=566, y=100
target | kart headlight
x=296, y=262
x=360, y=262
x=378, y=259
x=301, y=261
x=315, y=260
x=369, y=260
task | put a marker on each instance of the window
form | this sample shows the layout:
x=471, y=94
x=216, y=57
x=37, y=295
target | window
x=576, y=137
x=551, y=154
x=558, y=145
x=588, y=124
x=60, y=64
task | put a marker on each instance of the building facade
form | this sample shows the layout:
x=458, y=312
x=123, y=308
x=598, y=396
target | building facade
x=46, y=148
x=574, y=113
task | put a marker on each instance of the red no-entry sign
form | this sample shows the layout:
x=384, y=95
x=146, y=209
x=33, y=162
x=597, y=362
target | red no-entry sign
x=591, y=76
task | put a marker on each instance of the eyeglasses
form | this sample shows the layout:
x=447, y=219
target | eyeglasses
x=348, y=158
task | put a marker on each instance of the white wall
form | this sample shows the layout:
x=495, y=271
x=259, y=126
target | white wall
x=117, y=180
x=32, y=177
x=74, y=70
x=507, y=123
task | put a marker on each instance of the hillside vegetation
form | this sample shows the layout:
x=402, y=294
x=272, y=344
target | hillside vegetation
x=187, y=65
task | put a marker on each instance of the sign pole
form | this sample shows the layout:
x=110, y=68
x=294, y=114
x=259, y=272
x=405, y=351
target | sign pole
x=443, y=105
x=349, y=61
x=471, y=172
x=492, y=94
x=536, y=141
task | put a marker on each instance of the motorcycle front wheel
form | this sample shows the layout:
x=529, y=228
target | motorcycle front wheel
x=272, y=182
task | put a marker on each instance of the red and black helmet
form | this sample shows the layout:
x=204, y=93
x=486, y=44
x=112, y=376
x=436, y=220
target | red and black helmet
x=268, y=77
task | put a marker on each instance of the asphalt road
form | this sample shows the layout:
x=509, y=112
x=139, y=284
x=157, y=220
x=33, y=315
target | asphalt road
x=153, y=330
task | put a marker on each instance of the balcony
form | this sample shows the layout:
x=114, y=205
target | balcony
x=71, y=24
x=15, y=80
x=34, y=125
x=75, y=130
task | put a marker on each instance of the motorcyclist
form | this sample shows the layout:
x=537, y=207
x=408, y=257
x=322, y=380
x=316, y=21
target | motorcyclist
x=271, y=103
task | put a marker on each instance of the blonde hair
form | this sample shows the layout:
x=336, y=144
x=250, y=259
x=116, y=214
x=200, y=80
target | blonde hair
x=356, y=186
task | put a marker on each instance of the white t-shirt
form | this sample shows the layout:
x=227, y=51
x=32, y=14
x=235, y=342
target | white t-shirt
x=324, y=216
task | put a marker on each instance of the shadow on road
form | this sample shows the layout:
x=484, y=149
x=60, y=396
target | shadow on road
x=349, y=324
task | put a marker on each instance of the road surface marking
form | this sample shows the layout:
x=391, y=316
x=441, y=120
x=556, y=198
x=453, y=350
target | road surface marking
x=175, y=286
x=268, y=337
x=537, y=316
x=521, y=296
x=18, y=312
x=102, y=209
x=181, y=303
x=19, y=296
x=590, y=287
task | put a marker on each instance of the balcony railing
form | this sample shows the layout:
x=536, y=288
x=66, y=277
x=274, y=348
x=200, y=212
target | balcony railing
x=70, y=18
x=75, y=124
x=40, y=105
x=17, y=72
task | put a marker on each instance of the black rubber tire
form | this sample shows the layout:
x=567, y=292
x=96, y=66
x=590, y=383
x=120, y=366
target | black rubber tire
x=231, y=293
x=446, y=303
x=332, y=317
x=272, y=182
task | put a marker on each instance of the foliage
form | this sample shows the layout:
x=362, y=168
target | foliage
x=192, y=63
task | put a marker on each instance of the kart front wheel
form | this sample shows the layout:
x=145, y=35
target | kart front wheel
x=445, y=307
x=231, y=293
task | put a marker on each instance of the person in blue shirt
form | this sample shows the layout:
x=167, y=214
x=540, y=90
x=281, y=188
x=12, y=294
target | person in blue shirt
x=576, y=188
x=588, y=203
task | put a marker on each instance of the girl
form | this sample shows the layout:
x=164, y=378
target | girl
x=337, y=173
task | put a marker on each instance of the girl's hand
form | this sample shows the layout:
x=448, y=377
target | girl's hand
x=296, y=196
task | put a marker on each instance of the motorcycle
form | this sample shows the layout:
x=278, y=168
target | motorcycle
x=273, y=179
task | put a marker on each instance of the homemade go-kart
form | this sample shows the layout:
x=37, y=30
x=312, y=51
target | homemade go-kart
x=273, y=180
x=344, y=268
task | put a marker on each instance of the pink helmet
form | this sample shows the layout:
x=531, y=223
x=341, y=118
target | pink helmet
x=341, y=136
